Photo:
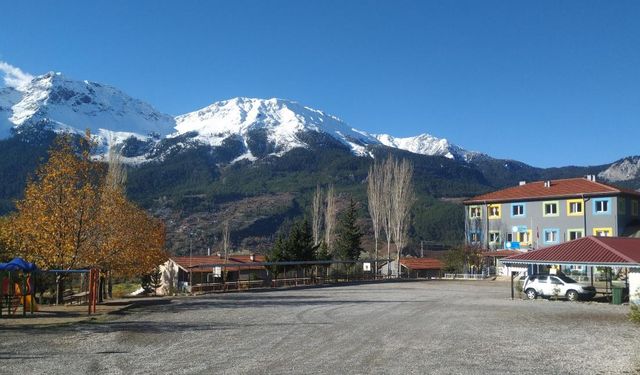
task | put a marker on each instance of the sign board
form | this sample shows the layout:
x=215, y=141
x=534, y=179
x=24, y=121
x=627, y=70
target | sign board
x=522, y=228
x=366, y=266
x=512, y=245
x=515, y=228
x=217, y=271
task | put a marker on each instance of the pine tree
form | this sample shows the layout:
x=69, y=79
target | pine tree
x=349, y=235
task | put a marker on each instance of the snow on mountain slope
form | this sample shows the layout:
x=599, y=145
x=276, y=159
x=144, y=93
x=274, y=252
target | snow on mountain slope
x=622, y=170
x=68, y=105
x=282, y=120
x=424, y=144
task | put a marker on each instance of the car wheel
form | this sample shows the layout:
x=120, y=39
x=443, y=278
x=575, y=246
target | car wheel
x=572, y=295
x=531, y=293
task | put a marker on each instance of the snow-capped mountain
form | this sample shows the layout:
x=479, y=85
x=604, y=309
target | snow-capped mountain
x=284, y=121
x=61, y=104
x=53, y=101
x=622, y=170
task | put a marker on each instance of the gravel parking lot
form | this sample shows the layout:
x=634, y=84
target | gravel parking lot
x=437, y=327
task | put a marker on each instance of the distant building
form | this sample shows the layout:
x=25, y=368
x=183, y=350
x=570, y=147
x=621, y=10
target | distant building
x=545, y=213
x=413, y=267
x=208, y=270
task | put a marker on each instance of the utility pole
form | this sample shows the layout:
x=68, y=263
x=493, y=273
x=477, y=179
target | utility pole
x=190, y=261
x=421, y=248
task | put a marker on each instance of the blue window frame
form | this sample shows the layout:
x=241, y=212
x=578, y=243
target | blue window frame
x=475, y=236
x=551, y=236
x=518, y=210
x=602, y=206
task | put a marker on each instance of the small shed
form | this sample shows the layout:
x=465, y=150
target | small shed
x=414, y=267
x=591, y=252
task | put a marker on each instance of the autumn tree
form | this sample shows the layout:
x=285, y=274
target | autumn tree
x=56, y=222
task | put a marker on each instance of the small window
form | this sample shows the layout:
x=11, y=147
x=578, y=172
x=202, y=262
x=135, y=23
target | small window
x=574, y=207
x=550, y=209
x=603, y=232
x=543, y=279
x=634, y=207
x=551, y=236
x=474, y=237
x=475, y=212
x=525, y=237
x=494, y=237
x=556, y=281
x=574, y=234
x=494, y=211
x=509, y=237
x=517, y=209
x=602, y=206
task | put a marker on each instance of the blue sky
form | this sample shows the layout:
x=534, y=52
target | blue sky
x=549, y=83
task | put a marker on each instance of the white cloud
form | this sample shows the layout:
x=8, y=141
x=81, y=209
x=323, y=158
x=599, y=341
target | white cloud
x=14, y=77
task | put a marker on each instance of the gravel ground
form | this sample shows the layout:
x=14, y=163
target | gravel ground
x=436, y=327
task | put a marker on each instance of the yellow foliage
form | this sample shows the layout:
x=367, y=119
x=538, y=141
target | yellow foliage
x=73, y=217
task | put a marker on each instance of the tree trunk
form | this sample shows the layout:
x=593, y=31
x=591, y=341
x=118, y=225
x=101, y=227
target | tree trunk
x=59, y=289
x=100, y=289
x=110, y=286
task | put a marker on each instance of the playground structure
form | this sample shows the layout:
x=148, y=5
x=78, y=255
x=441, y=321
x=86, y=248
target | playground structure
x=18, y=287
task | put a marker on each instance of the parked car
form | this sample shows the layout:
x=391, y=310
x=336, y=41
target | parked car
x=559, y=285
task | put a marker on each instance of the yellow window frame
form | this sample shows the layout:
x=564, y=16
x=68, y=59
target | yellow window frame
x=529, y=236
x=544, y=206
x=606, y=229
x=489, y=211
x=569, y=202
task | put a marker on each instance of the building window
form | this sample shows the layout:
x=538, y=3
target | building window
x=634, y=207
x=475, y=212
x=474, y=237
x=574, y=207
x=550, y=209
x=494, y=211
x=603, y=232
x=602, y=206
x=551, y=236
x=509, y=237
x=494, y=237
x=574, y=234
x=517, y=210
x=524, y=237
x=622, y=206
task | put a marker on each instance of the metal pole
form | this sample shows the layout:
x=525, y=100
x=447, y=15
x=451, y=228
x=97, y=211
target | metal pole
x=513, y=275
x=190, y=263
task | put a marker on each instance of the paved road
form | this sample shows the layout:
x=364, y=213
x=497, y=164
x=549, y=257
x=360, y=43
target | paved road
x=445, y=327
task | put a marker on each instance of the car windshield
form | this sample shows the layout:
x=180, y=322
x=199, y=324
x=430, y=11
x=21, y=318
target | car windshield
x=566, y=279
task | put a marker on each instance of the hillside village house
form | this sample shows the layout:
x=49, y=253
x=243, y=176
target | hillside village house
x=539, y=214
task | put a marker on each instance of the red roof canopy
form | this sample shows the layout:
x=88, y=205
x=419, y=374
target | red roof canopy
x=566, y=188
x=501, y=253
x=417, y=264
x=618, y=251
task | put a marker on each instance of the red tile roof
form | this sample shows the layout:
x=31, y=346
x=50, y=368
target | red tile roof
x=198, y=262
x=571, y=187
x=587, y=250
x=421, y=263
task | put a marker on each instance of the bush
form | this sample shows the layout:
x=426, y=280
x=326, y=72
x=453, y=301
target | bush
x=634, y=315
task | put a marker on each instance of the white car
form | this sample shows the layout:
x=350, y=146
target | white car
x=558, y=285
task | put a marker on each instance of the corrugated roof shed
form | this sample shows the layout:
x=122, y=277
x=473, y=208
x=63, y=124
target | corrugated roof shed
x=615, y=251
x=418, y=264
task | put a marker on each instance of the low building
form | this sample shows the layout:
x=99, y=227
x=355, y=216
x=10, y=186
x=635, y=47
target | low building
x=612, y=252
x=182, y=274
x=493, y=259
x=413, y=267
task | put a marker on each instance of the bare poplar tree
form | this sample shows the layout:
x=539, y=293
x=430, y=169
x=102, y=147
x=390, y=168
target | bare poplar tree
x=116, y=173
x=375, y=201
x=386, y=205
x=330, y=218
x=316, y=215
x=225, y=248
x=402, y=197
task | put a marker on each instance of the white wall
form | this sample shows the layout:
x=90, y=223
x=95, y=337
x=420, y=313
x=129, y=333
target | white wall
x=634, y=286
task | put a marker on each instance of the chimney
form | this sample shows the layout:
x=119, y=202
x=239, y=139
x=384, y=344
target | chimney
x=522, y=183
x=252, y=257
x=591, y=177
x=547, y=184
